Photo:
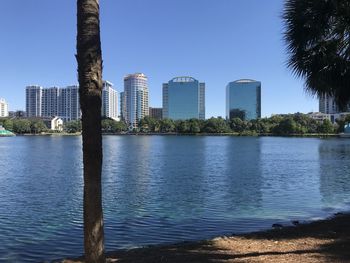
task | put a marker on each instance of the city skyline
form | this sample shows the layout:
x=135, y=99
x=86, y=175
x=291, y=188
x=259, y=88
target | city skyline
x=217, y=48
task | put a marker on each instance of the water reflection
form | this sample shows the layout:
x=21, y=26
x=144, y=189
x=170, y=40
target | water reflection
x=180, y=184
x=242, y=180
x=126, y=173
x=290, y=175
x=334, y=172
x=163, y=189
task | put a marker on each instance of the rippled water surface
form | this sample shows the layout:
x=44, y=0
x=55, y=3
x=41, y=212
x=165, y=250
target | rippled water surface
x=164, y=189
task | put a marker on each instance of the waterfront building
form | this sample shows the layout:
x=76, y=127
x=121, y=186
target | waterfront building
x=109, y=101
x=135, y=99
x=50, y=101
x=184, y=98
x=4, y=109
x=54, y=101
x=327, y=105
x=54, y=124
x=34, y=101
x=243, y=99
x=122, y=106
x=319, y=116
x=69, y=105
x=156, y=113
x=17, y=114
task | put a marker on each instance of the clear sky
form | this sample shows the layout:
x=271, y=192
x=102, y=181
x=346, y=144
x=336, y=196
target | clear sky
x=214, y=41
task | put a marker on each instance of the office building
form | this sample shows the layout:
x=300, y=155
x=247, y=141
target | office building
x=156, y=113
x=109, y=101
x=243, y=99
x=135, y=99
x=183, y=99
x=4, y=109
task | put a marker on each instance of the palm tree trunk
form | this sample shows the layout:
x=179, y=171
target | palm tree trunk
x=89, y=59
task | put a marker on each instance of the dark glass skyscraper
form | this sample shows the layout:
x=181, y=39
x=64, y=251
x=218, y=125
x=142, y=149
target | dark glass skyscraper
x=243, y=99
x=184, y=98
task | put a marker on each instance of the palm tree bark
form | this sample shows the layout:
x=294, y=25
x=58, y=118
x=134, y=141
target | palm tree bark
x=89, y=59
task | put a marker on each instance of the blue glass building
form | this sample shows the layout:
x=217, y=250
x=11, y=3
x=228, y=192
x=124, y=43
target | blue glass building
x=184, y=98
x=243, y=99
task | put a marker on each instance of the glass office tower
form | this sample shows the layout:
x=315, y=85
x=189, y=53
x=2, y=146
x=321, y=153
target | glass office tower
x=184, y=98
x=243, y=99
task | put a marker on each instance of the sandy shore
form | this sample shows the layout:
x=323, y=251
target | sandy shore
x=321, y=241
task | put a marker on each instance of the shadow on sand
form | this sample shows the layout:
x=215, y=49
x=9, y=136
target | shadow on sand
x=320, y=241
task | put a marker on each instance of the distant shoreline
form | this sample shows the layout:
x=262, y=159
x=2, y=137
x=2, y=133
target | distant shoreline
x=311, y=135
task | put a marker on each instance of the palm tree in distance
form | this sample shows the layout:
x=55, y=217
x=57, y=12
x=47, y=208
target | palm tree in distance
x=317, y=34
x=89, y=60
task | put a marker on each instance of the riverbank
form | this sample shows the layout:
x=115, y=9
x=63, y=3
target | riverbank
x=320, y=241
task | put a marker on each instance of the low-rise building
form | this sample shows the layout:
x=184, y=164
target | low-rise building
x=54, y=124
x=319, y=116
x=156, y=113
x=340, y=115
x=17, y=114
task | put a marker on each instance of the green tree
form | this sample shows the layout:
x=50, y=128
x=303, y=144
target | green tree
x=73, y=126
x=317, y=38
x=182, y=126
x=216, y=125
x=7, y=124
x=21, y=126
x=326, y=127
x=89, y=58
x=37, y=126
x=194, y=125
x=167, y=125
x=237, y=125
x=119, y=126
x=286, y=126
x=108, y=125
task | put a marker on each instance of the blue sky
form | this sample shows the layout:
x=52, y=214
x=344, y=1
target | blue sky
x=215, y=41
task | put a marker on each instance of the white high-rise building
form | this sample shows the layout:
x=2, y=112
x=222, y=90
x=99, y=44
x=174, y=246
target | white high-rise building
x=135, y=98
x=328, y=105
x=50, y=102
x=69, y=105
x=34, y=95
x=4, y=108
x=54, y=101
x=109, y=101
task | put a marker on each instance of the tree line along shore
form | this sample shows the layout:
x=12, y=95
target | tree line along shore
x=284, y=125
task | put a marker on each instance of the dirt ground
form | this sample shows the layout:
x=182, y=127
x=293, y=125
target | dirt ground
x=320, y=241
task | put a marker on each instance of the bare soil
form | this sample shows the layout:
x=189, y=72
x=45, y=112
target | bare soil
x=321, y=241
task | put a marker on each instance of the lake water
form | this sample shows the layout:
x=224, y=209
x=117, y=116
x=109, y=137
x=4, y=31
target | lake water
x=164, y=189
